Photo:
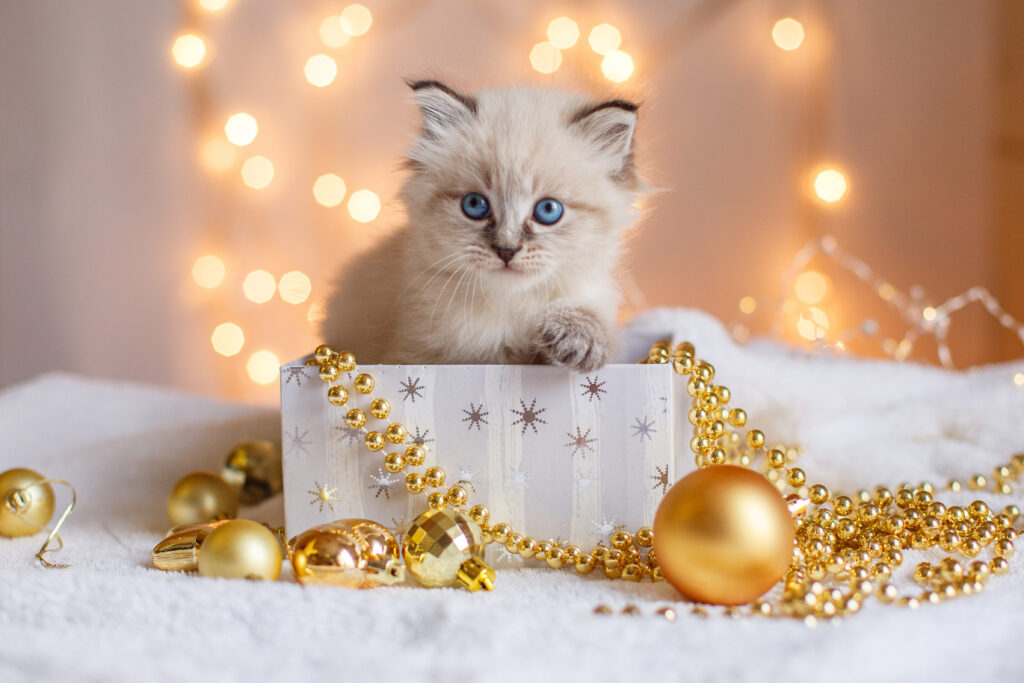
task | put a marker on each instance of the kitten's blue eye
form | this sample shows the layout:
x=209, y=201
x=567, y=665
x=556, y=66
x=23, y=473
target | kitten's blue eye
x=548, y=211
x=476, y=206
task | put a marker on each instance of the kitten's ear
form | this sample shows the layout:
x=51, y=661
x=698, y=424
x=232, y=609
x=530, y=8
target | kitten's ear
x=441, y=107
x=609, y=126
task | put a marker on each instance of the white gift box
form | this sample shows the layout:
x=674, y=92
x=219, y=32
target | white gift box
x=556, y=454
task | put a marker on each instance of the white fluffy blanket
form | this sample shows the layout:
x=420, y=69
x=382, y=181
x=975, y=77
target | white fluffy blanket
x=111, y=617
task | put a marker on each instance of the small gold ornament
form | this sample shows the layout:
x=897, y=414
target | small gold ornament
x=444, y=548
x=355, y=553
x=254, y=469
x=723, y=535
x=201, y=497
x=26, y=503
x=179, y=551
x=240, y=549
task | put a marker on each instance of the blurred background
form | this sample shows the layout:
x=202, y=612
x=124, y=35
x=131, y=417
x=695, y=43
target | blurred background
x=180, y=180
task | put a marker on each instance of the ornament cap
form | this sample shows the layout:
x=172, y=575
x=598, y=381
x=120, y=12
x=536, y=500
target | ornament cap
x=475, y=574
x=384, y=571
x=179, y=552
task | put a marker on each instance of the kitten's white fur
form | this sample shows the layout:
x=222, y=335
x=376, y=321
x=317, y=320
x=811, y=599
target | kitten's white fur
x=435, y=291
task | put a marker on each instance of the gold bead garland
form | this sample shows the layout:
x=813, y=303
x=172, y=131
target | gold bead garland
x=847, y=548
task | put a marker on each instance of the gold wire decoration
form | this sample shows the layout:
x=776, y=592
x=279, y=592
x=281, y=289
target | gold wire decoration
x=53, y=535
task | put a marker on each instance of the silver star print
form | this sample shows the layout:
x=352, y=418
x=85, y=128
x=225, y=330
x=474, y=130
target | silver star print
x=297, y=441
x=297, y=374
x=580, y=442
x=382, y=483
x=644, y=429
x=529, y=416
x=475, y=415
x=592, y=388
x=467, y=475
x=660, y=478
x=352, y=436
x=412, y=389
x=420, y=437
x=606, y=527
x=521, y=479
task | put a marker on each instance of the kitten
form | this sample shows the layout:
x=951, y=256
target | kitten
x=517, y=203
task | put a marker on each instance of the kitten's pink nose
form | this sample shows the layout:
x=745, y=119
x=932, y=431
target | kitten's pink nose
x=506, y=253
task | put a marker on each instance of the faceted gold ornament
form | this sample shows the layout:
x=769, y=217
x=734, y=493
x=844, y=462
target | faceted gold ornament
x=201, y=497
x=444, y=548
x=254, y=468
x=26, y=505
x=240, y=549
x=355, y=553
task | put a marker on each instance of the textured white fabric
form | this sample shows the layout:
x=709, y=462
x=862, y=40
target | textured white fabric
x=110, y=617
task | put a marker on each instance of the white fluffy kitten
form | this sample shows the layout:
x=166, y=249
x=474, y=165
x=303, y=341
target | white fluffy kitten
x=517, y=205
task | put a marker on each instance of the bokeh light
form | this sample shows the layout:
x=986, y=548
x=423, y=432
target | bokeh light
x=363, y=205
x=811, y=287
x=1018, y=379
x=208, y=271
x=356, y=20
x=257, y=172
x=332, y=33
x=218, y=154
x=227, y=339
x=321, y=70
x=563, y=33
x=814, y=325
x=259, y=286
x=213, y=5
x=748, y=305
x=241, y=129
x=294, y=287
x=545, y=58
x=328, y=190
x=617, y=66
x=830, y=185
x=604, y=38
x=188, y=50
x=316, y=313
x=263, y=367
x=788, y=33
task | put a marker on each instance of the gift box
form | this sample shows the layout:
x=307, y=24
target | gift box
x=557, y=454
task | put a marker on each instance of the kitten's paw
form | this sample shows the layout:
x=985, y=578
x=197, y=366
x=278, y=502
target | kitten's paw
x=574, y=338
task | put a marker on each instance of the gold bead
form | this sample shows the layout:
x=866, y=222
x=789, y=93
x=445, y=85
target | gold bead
x=683, y=366
x=887, y=593
x=329, y=372
x=755, y=438
x=716, y=429
x=374, y=441
x=818, y=494
x=512, y=542
x=197, y=498
x=527, y=547
x=572, y=554
x=480, y=514
x=1003, y=548
x=737, y=417
x=954, y=485
x=414, y=482
x=1011, y=511
x=337, y=395
x=585, y=564
x=612, y=571
x=396, y=433
x=323, y=354
x=355, y=418
x=457, y=496
x=999, y=565
x=603, y=610
x=923, y=572
x=436, y=501
x=970, y=547
x=26, y=505
x=240, y=549
x=435, y=477
x=776, y=458
x=380, y=408
x=621, y=540
x=949, y=541
x=632, y=572
x=950, y=569
x=700, y=444
x=978, y=509
x=555, y=557
x=795, y=477
x=696, y=387
x=415, y=455
x=645, y=537
x=904, y=498
x=977, y=482
x=716, y=457
x=613, y=557
x=698, y=416
x=500, y=532
x=393, y=462
x=843, y=505
x=363, y=383
x=922, y=499
x=346, y=361
x=956, y=513
x=723, y=393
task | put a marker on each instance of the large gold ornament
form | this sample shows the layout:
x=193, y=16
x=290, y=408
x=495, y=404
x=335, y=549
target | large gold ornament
x=26, y=503
x=254, y=468
x=179, y=552
x=201, y=497
x=723, y=535
x=355, y=553
x=445, y=547
x=240, y=549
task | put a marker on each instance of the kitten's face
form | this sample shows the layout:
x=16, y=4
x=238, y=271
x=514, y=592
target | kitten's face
x=520, y=186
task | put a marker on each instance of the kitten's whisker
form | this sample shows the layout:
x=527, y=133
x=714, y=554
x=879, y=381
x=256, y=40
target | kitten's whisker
x=441, y=293
x=447, y=257
x=455, y=291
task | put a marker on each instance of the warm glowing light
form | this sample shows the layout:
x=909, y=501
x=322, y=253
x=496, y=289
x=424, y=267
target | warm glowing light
x=545, y=58
x=259, y=286
x=604, y=38
x=617, y=66
x=929, y=313
x=257, y=172
x=218, y=154
x=811, y=287
x=363, y=205
x=356, y=20
x=332, y=33
x=321, y=70
x=241, y=129
x=886, y=291
x=227, y=339
x=316, y=313
x=1018, y=379
x=212, y=5
x=813, y=327
x=208, y=271
x=294, y=287
x=788, y=33
x=563, y=32
x=830, y=185
x=188, y=50
x=329, y=190
x=263, y=367
x=748, y=305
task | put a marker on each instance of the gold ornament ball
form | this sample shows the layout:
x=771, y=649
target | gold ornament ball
x=723, y=535
x=26, y=506
x=254, y=469
x=241, y=549
x=201, y=497
x=356, y=553
x=444, y=547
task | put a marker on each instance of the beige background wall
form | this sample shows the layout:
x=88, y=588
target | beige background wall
x=104, y=206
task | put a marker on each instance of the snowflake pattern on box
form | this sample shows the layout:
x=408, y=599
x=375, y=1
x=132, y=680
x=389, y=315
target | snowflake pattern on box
x=351, y=435
x=412, y=389
x=475, y=416
x=297, y=374
x=592, y=388
x=382, y=483
x=644, y=429
x=297, y=442
x=529, y=416
x=419, y=437
x=580, y=442
x=660, y=478
x=467, y=477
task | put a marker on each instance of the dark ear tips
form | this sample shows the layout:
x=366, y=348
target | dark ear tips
x=624, y=105
x=421, y=86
